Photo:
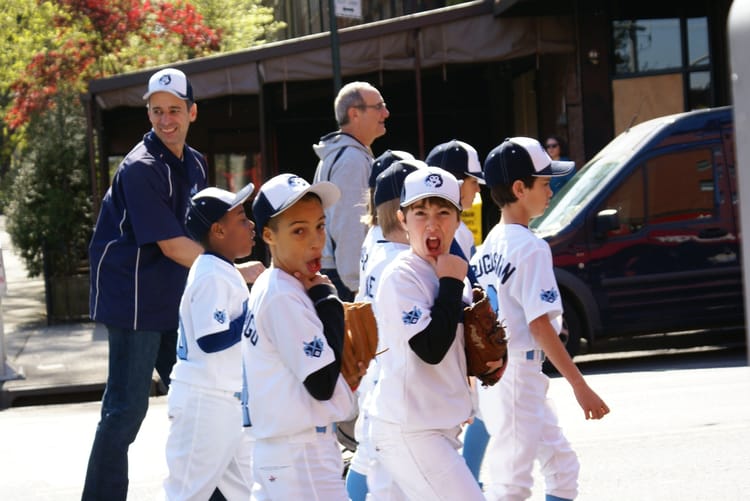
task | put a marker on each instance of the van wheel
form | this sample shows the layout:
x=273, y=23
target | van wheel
x=570, y=335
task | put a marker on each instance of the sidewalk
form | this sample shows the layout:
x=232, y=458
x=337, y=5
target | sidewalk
x=50, y=363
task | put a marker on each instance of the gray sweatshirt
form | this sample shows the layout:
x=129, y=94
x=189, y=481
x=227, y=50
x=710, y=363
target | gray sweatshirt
x=345, y=162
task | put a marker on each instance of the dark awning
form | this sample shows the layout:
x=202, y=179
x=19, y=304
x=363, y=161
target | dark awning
x=466, y=33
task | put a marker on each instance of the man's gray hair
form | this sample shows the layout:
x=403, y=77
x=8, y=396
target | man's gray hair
x=348, y=97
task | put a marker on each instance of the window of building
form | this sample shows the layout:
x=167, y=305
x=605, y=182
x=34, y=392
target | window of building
x=661, y=66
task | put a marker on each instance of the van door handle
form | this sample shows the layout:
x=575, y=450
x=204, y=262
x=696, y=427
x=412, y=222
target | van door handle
x=713, y=233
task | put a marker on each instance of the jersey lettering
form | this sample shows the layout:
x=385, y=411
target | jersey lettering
x=249, y=330
x=493, y=263
x=370, y=287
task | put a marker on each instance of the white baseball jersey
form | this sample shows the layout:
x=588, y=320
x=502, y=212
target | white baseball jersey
x=381, y=254
x=515, y=268
x=215, y=294
x=372, y=240
x=284, y=343
x=465, y=239
x=411, y=392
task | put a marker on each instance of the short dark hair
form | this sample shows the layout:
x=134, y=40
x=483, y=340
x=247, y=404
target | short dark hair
x=502, y=194
x=273, y=223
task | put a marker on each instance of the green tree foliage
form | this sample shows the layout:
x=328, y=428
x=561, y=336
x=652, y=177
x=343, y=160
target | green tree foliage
x=49, y=51
x=50, y=212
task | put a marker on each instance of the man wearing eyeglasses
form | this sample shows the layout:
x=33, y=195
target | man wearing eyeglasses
x=345, y=160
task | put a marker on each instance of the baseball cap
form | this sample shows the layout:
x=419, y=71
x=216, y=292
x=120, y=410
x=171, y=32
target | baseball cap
x=170, y=80
x=390, y=182
x=520, y=157
x=458, y=158
x=431, y=182
x=281, y=192
x=384, y=161
x=209, y=205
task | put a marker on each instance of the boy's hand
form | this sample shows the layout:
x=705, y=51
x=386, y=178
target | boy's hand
x=593, y=406
x=311, y=281
x=448, y=265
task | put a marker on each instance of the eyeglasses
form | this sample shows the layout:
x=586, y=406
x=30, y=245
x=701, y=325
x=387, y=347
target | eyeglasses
x=377, y=107
x=551, y=145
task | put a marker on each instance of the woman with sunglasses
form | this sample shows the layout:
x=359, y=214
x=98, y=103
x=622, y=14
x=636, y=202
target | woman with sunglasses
x=557, y=150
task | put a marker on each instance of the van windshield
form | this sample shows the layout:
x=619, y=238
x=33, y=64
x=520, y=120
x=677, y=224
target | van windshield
x=593, y=177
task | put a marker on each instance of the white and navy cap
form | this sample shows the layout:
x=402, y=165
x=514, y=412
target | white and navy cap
x=458, y=158
x=170, y=80
x=521, y=157
x=281, y=192
x=209, y=205
x=384, y=161
x=431, y=182
x=390, y=182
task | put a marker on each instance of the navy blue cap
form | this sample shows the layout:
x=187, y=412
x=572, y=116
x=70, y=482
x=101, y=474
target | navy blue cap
x=521, y=157
x=391, y=181
x=384, y=161
x=458, y=158
x=209, y=205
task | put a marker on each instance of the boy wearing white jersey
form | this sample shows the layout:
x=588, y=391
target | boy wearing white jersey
x=516, y=266
x=207, y=446
x=422, y=396
x=292, y=349
x=364, y=475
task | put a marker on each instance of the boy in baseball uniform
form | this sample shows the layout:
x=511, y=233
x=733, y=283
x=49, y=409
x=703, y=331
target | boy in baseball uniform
x=292, y=349
x=207, y=446
x=461, y=160
x=364, y=474
x=423, y=396
x=516, y=265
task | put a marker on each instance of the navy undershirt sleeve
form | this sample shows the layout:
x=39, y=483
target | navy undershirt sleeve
x=435, y=340
x=321, y=383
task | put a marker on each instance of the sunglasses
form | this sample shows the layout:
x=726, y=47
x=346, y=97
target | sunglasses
x=551, y=145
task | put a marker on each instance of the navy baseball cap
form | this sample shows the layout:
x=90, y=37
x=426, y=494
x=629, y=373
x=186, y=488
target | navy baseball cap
x=458, y=158
x=521, y=157
x=384, y=161
x=281, y=192
x=431, y=182
x=209, y=205
x=390, y=182
x=170, y=80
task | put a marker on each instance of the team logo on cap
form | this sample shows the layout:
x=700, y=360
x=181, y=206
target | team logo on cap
x=165, y=80
x=434, y=181
x=297, y=182
x=549, y=296
x=314, y=348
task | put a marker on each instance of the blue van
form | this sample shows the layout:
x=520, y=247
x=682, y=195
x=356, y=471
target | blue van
x=645, y=237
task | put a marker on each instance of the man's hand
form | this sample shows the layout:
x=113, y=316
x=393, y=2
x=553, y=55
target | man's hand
x=251, y=270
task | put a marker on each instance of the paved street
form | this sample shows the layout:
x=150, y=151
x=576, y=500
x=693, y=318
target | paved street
x=681, y=433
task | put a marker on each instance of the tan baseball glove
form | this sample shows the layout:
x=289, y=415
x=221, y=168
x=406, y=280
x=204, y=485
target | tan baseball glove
x=360, y=341
x=484, y=340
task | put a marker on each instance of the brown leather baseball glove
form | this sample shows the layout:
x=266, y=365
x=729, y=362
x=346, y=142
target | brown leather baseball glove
x=360, y=341
x=484, y=340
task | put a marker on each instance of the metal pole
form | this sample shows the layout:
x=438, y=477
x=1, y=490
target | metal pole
x=335, y=60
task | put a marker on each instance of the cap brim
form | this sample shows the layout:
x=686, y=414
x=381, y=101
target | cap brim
x=557, y=168
x=168, y=91
x=328, y=193
x=242, y=196
x=478, y=176
x=422, y=196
